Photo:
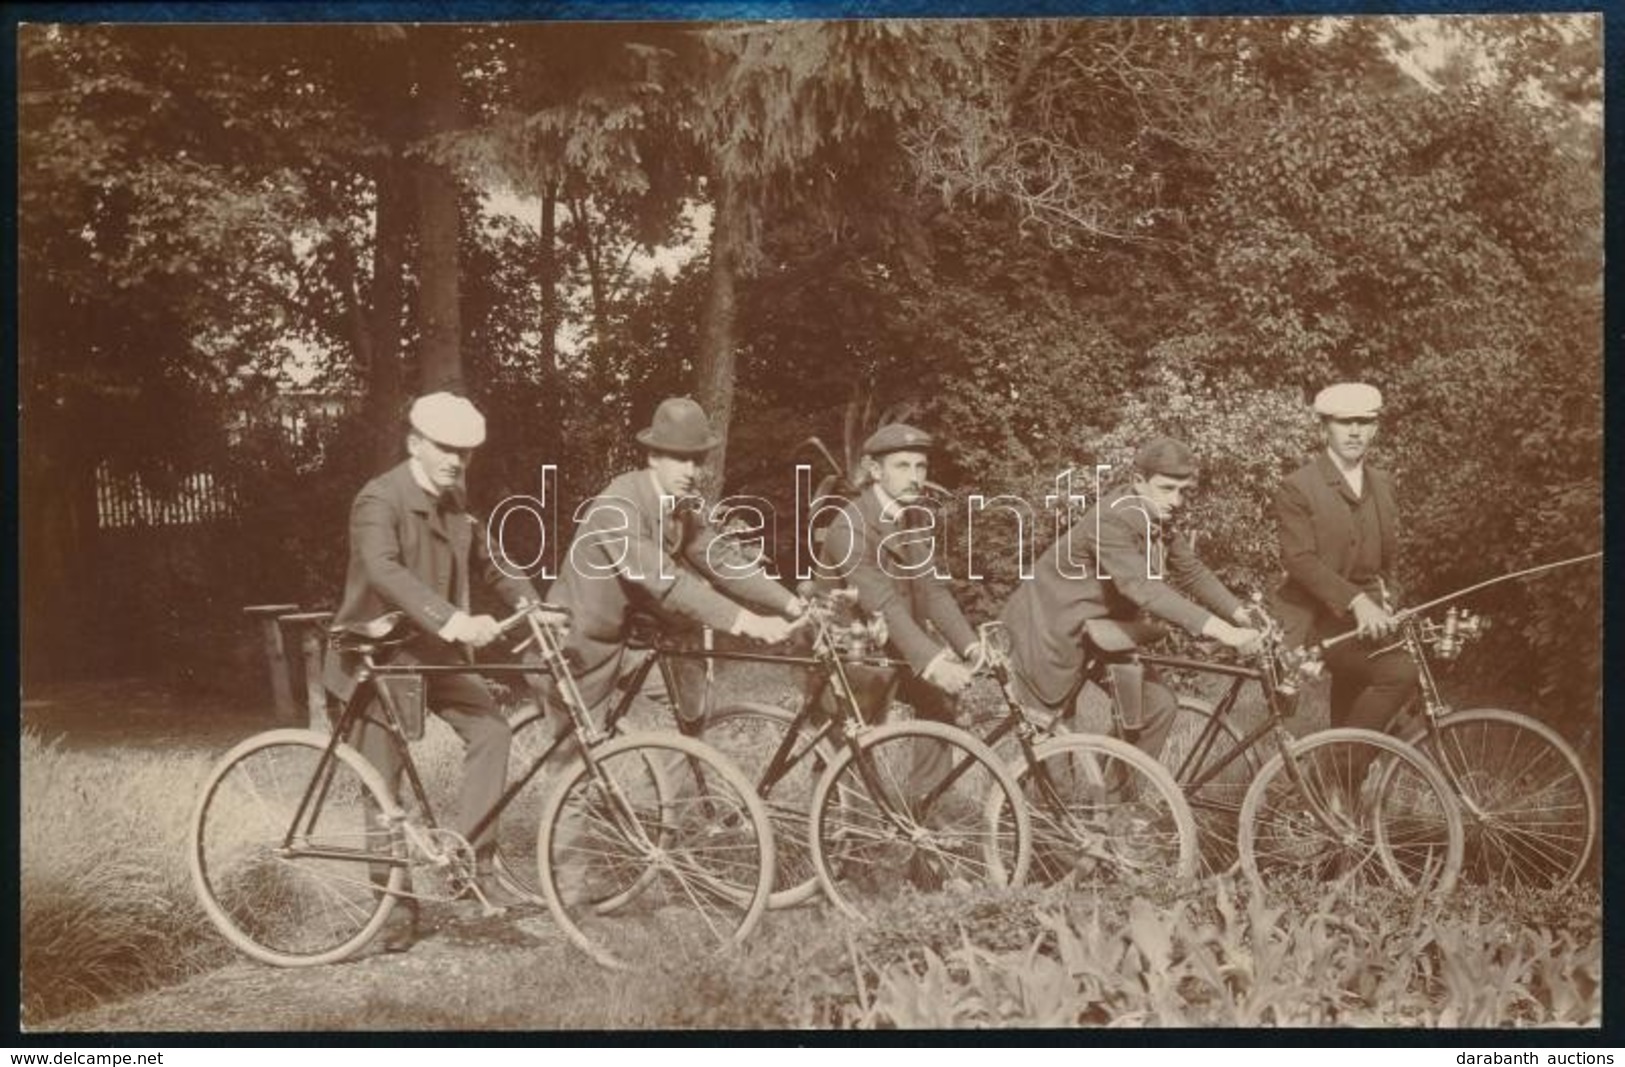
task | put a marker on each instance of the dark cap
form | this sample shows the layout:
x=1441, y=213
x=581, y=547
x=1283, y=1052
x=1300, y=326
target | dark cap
x=896, y=437
x=1167, y=457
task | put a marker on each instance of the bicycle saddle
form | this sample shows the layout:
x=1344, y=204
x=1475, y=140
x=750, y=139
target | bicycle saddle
x=1114, y=635
x=386, y=631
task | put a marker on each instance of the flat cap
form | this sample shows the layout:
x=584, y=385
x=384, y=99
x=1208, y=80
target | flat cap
x=1167, y=457
x=448, y=420
x=896, y=437
x=1348, y=400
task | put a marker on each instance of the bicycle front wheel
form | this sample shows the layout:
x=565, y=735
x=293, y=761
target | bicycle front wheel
x=1528, y=806
x=1354, y=805
x=750, y=735
x=1103, y=811
x=919, y=803
x=295, y=895
x=655, y=846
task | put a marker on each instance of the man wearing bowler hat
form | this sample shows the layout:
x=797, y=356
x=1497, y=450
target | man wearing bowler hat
x=644, y=545
x=1124, y=558
x=415, y=550
x=1338, y=526
x=884, y=547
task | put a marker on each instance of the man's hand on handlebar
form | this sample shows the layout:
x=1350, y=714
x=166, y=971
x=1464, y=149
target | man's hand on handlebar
x=947, y=673
x=1370, y=619
x=1243, y=639
x=768, y=629
x=476, y=631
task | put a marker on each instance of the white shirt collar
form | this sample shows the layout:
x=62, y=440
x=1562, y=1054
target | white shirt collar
x=421, y=476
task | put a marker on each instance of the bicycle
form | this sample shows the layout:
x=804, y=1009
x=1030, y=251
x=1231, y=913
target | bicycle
x=1101, y=809
x=837, y=788
x=299, y=850
x=1358, y=805
x=1528, y=805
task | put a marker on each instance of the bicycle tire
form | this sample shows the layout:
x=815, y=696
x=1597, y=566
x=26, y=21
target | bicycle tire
x=749, y=733
x=1102, y=811
x=659, y=848
x=291, y=911
x=1398, y=824
x=1216, y=804
x=863, y=846
x=1528, y=806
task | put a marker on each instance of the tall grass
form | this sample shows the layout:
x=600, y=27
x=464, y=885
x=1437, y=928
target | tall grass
x=107, y=908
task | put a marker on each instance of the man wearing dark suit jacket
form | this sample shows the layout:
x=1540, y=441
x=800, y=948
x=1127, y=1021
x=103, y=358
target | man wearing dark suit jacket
x=883, y=547
x=414, y=549
x=1111, y=565
x=1339, y=536
x=642, y=545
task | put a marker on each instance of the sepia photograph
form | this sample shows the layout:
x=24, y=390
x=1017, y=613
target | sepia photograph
x=811, y=525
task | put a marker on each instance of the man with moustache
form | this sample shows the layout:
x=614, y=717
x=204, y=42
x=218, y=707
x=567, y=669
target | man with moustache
x=414, y=549
x=643, y=546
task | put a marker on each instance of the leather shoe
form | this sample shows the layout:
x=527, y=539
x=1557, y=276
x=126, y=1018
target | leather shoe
x=400, y=931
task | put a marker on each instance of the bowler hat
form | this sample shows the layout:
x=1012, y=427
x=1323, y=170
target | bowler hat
x=896, y=437
x=448, y=420
x=679, y=426
x=1167, y=457
x=1348, y=400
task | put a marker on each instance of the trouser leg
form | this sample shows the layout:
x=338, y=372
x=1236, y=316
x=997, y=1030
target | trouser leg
x=372, y=739
x=1368, y=691
x=465, y=703
x=931, y=759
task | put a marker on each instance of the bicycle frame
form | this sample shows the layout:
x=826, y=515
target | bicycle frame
x=847, y=721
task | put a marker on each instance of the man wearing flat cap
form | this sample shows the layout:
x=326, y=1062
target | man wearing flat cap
x=1339, y=535
x=645, y=546
x=1124, y=558
x=883, y=546
x=414, y=549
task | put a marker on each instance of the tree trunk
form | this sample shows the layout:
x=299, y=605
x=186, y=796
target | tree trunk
x=386, y=379
x=439, y=110
x=550, y=403
x=714, y=372
x=597, y=285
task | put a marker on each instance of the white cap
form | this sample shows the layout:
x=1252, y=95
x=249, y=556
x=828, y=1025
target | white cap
x=448, y=420
x=1348, y=400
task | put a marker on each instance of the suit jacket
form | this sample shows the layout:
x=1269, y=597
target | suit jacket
x=1317, y=540
x=891, y=564
x=628, y=555
x=406, y=555
x=1108, y=575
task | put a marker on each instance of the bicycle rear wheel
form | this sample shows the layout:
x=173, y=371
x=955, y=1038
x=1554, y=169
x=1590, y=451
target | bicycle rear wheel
x=959, y=822
x=313, y=902
x=1389, y=817
x=1103, y=811
x=1196, y=746
x=750, y=734
x=655, y=847
x=1528, y=806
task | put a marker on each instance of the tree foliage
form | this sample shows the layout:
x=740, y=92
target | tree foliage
x=1045, y=239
